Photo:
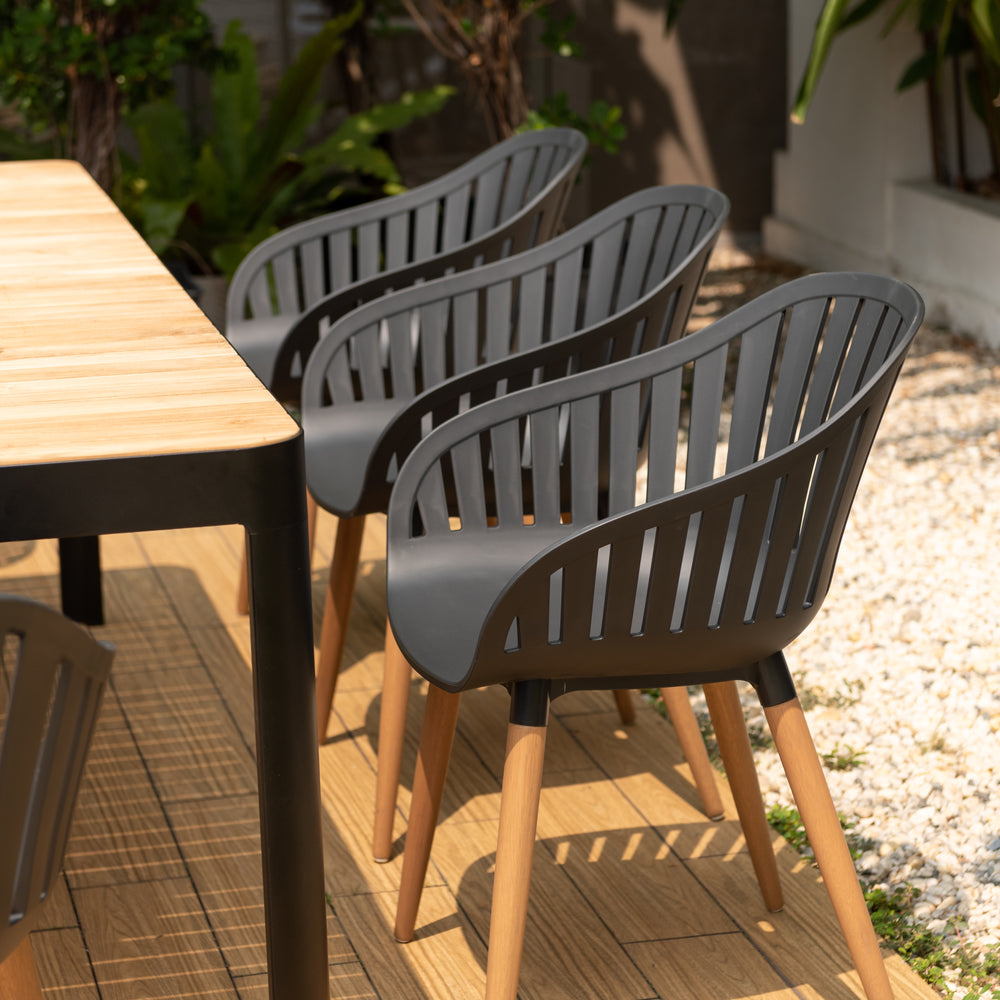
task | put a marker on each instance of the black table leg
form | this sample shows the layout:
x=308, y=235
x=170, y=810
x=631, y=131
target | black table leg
x=288, y=762
x=80, y=579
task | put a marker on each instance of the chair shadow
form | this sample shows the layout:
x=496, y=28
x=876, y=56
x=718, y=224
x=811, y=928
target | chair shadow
x=126, y=833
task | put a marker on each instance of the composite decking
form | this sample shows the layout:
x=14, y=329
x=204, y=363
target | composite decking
x=635, y=894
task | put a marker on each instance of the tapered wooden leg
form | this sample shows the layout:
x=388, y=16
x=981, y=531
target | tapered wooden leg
x=522, y=782
x=819, y=817
x=626, y=708
x=436, y=738
x=336, y=612
x=19, y=975
x=391, y=735
x=693, y=746
x=737, y=757
x=242, y=591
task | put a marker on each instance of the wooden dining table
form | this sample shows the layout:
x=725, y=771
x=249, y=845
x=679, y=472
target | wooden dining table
x=123, y=409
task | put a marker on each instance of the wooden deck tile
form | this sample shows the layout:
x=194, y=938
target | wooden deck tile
x=635, y=894
x=63, y=965
x=220, y=842
x=347, y=982
x=804, y=940
x=568, y=951
x=347, y=783
x=151, y=940
x=714, y=967
x=200, y=577
x=225, y=651
x=449, y=964
x=187, y=739
x=119, y=832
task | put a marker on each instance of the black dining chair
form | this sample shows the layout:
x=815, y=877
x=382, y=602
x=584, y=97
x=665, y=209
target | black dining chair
x=620, y=283
x=506, y=199
x=291, y=286
x=700, y=578
x=52, y=678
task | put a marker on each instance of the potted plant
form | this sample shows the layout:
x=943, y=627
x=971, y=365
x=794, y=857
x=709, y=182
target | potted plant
x=960, y=37
x=210, y=197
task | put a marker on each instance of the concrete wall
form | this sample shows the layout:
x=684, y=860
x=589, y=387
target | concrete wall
x=706, y=104
x=852, y=190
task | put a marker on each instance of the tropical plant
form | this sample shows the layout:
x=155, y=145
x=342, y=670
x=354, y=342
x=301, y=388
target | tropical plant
x=960, y=35
x=73, y=68
x=213, y=197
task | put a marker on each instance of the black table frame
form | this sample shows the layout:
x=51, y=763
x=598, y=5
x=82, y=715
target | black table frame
x=263, y=489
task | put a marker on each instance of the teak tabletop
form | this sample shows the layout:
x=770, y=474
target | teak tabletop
x=103, y=355
x=123, y=410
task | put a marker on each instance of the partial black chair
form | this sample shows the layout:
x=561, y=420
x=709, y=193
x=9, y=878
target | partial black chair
x=506, y=199
x=290, y=287
x=618, y=284
x=51, y=681
x=703, y=579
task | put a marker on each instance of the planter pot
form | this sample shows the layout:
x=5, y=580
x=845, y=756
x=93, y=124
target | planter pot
x=211, y=298
x=946, y=244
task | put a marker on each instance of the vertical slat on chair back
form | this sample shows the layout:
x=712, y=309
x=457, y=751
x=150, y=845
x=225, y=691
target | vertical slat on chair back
x=753, y=550
x=53, y=675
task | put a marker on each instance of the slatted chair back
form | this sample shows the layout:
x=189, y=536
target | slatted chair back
x=503, y=201
x=621, y=283
x=692, y=575
x=51, y=685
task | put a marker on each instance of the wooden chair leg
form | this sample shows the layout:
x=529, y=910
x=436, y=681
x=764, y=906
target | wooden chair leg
x=336, y=612
x=436, y=738
x=737, y=758
x=19, y=974
x=243, y=590
x=522, y=782
x=391, y=736
x=693, y=747
x=626, y=707
x=819, y=817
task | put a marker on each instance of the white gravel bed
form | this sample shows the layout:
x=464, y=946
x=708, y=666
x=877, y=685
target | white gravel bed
x=903, y=661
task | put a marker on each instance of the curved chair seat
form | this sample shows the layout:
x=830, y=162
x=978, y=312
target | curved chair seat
x=702, y=581
x=618, y=284
x=58, y=679
x=502, y=201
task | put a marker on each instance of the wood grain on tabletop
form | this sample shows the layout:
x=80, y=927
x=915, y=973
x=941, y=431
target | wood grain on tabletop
x=102, y=353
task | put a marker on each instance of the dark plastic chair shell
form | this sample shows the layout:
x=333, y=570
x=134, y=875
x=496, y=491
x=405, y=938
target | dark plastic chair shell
x=58, y=681
x=618, y=284
x=704, y=579
x=503, y=201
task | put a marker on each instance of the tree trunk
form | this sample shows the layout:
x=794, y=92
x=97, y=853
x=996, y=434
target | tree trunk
x=94, y=111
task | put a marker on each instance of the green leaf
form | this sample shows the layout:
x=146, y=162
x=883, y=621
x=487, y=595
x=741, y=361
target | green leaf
x=236, y=105
x=859, y=13
x=293, y=108
x=984, y=17
x=161, y=218
x=366, y=125
x=827, y=26
x=166, y=154
x=922, y=68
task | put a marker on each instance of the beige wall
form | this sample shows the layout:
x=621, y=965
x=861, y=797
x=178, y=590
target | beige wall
x=706, y=104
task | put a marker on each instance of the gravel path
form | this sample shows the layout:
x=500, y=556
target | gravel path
x=901, y=670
